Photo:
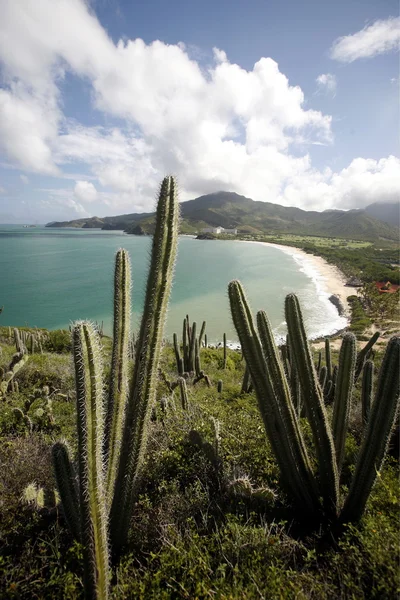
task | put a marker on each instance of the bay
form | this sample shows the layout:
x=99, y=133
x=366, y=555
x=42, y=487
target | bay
x=52, y=277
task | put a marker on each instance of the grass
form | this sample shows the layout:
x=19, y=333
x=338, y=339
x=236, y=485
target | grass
x=192, y=535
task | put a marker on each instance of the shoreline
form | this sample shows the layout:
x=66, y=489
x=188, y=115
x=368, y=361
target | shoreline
x=330, y=279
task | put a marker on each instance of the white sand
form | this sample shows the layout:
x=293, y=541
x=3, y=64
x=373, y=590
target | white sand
x=331, y=279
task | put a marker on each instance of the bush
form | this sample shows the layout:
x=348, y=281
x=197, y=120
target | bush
x=59, y=341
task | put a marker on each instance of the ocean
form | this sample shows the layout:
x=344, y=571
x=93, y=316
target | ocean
x=52, y=277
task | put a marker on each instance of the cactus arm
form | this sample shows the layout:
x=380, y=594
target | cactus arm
x=119, y=367
x=224, y=351
x=192, y=347
x=202, y=330
x=183, y=391
x=90, y=426
x=142, y=393
x=67, y=487
x=282, y=392
x=363, y=354
x=323, y=377
x=313, y=399
x=267, y=402
x=197, y=361
x=177, y=354
x=343, y=392
x=373, y=449
x=366, y=390
x=185, y=346
x=328, y=359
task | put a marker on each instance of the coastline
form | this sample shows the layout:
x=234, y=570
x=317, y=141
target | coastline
x=331, y=280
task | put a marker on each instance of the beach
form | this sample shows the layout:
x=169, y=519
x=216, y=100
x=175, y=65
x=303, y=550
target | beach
x=328, y=278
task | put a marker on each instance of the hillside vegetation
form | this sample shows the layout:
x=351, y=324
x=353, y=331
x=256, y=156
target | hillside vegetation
x=231, y=210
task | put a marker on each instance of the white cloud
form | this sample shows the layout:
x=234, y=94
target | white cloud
x=24, y=179
x=85, y=191
x=326, y=82
x=380, y=37
x=223, y=127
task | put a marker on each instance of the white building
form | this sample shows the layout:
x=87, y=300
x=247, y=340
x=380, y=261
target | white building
x=219, y=230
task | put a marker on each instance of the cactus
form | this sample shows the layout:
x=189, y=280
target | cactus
x=142, y=392
x=274, y=400
x=118, y=387
x=192, y=347
x=67, y=487
x=92, y=489
x=366, y=390
x=374, y=446
x=183, y=391
x=271, y=385
x=328, y=360
x=343, y=391
x=197, y=362
x=313, y=398
x=224, y=365
x=205, y=341
x=364, y=353
x=104, y=507
x=246, y=381
x=178, y=359
x=220, y=386
x=201, y=334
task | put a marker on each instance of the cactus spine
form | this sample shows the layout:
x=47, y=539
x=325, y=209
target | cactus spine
x=343, y=391
x=142, y=392
x=373, y=449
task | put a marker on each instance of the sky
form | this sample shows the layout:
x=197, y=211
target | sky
x=290, y=102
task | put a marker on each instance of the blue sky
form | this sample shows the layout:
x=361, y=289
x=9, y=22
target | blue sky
x=290, y=102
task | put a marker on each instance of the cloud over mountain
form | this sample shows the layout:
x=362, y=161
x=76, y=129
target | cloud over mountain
x=216, y=126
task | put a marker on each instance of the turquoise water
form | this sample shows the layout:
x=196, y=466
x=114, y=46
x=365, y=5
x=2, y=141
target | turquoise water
x=51, y=277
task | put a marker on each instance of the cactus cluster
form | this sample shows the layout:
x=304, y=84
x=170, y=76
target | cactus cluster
x=189, y=362
x=112, y=433
x=281, y=386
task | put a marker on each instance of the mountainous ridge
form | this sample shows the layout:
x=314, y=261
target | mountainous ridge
x=231, y=210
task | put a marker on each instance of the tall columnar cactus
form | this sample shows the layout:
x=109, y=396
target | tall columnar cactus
x=280, y=420
x=377, y=435
x=343, y=391
x=111, y=454
x=314, y=403
x=197, y=361
x=274, y=401
x=224, y=351
x=92, y=489
x=118, y=387
x=143, y=387
x=192, y=347
x=366, y=390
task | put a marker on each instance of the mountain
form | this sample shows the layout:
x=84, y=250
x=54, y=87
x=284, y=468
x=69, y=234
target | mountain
x=389, y=212
x=230, y=210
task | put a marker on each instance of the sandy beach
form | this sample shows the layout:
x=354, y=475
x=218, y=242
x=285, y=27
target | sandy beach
x=330, y=278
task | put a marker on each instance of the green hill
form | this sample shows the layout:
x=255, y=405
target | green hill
x=229, y=210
